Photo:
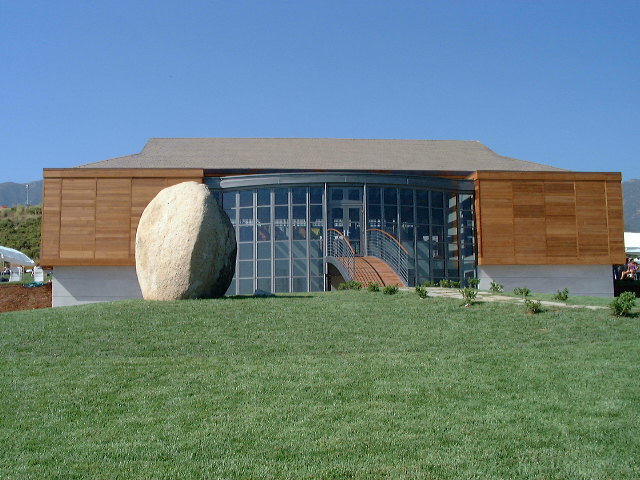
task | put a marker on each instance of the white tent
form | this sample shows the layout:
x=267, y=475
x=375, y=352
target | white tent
x=15, y=257
x=632, y=243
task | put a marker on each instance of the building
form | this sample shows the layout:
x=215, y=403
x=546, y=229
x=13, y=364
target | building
x=309, y=212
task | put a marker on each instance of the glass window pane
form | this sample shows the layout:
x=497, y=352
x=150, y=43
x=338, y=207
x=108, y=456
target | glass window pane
x=466, y=202
x=437, y=201
x=406, y=215
x=422, y=198
x=315, y=233
x=246, y=216
x=354, y=193
x=316, y=194
x=281, y=249
x=264, y=196
x=229, y=200
x=281, y=196
x=245, y=251
x=373, y=195
x=422, y=233
x=422, y=215
x=299, y=249
x=264, y=233
x=316, y=284
x=300, y=268
x=264, y=214
x=246, y=198
x=264, y=268
x=282, y=213
x=281, y=232
x=437, y=233
x=336, y=193
x=245, y=287
x=452, y=200
x=282, y=268
x=299, y=195
x=264, y=250
x=299, y=285
x=245, y=269
x=232, y=288
x=315, y=213
x=390, y=196
x=437, y=216
x=315, y=267
x=245, y=234
x=390, y=214
x=281, y=285
x=406, y=196
x=315, y=249
x=264, y=284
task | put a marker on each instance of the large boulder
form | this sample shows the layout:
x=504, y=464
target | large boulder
x=185, y=245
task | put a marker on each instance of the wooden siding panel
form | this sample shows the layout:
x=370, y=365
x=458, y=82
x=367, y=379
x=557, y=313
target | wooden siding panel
x=113, y=211
x=143, y=190
x=77, y=218
x=50, y=234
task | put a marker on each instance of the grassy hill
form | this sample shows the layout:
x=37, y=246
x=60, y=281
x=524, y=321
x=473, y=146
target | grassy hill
x=13, y=194
x=318, y=386
x=20, y=229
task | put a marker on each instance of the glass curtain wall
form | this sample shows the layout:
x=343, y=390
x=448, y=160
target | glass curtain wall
x=280, y=232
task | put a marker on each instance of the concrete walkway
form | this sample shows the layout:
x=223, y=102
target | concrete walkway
x=484, y=296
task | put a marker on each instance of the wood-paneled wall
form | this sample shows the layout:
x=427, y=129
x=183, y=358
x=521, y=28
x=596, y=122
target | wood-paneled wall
x=536, y=218
x=90, y=216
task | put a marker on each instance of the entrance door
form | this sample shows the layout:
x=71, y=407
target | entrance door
x=345, y=215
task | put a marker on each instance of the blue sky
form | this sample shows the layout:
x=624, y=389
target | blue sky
x=554, y=82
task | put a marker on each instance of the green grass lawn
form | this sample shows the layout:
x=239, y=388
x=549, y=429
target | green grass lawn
x=320, y=386
x=572, y=300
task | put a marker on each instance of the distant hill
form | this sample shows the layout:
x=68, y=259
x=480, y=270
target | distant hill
x=12, y=194
x=631, y=198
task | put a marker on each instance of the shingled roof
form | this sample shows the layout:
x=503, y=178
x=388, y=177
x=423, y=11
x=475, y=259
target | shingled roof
x=454, y=156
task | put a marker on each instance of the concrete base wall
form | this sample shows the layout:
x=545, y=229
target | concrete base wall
x=591, y=280
x=77, y=285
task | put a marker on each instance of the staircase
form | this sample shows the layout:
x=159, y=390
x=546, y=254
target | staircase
x=372, y=269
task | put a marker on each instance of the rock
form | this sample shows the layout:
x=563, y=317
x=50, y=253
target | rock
x=185, y=245
x=262, y=293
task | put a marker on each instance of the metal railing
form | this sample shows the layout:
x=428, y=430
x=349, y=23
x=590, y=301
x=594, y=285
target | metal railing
x=386, y=247
x=339, y=247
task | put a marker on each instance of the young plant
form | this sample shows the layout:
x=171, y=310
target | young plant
x=473, y=282
x=390, y=289
x=562, y=295
x=373, y=287
x=444, y=283
x=496, y=287
x=422, y=292
x=522, y=291
x=468, y=295
x=453, y=284
x=532, y=306
x=428, y=284
x=350, y=285
x=622, y=305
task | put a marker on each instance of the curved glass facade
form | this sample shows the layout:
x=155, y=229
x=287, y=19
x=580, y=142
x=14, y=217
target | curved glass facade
x=281, y=230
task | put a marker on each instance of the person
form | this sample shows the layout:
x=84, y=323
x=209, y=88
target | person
x=630, y=271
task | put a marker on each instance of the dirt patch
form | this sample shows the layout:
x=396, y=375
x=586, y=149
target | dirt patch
x=17, y=297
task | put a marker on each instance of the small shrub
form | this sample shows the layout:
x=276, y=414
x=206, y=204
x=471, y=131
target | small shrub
x=350, y=285
x=428, y=284
x=422, y=292
x=468, y=295
x=621, y=306
x=496, y=287
x=444, y=283
x=532, y=306
x=373, y=287
x=522, y=291
x=454, y=284
x=562, y=295
x=473, y=282
x=390, y=289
